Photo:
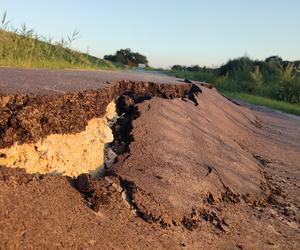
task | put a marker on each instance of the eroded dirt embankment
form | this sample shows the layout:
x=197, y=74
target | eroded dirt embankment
x=66, y=134
x=183, y=176
x=27, y=118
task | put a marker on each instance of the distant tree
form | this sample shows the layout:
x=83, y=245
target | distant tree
x=194, y=68
x=127, y=57
x=242, y=64
x=274, y=59
x=111, y=58
x=178, y=67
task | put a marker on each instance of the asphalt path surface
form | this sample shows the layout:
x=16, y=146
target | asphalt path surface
x=47, y=82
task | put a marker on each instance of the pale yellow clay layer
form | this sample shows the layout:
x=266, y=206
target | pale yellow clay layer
x=69, y=154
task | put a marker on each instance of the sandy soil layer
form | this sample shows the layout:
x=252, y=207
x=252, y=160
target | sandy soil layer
x=215, y=175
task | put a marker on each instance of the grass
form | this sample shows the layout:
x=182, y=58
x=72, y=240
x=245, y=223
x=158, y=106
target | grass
x=253, y=99
x=25, y=48
x=264, y=101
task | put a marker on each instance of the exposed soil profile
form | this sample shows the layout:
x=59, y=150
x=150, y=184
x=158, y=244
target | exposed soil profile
x=67, y=154
x=64, y=134
x=26, y=118
x=187, y=169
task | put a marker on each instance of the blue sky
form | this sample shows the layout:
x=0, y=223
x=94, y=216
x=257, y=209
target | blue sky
x=169, y=32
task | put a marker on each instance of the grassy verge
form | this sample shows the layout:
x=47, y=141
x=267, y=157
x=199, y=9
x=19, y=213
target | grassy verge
x=253, y=99
x=264, y=101
x=24, y=48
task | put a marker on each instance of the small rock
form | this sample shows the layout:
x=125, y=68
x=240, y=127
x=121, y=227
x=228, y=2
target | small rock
x=111, y=157
x=83, y=183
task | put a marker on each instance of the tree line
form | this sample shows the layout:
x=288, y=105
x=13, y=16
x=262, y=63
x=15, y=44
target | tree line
x=273, y=77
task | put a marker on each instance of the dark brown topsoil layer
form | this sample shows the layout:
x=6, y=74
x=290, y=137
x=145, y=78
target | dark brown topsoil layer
x=27, y=117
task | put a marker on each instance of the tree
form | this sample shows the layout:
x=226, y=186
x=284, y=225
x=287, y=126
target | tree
x=178, y=68
x=127, y=57
x=242, y=64
x=274, y=59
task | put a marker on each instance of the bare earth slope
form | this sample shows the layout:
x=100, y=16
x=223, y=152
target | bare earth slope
x=206, y=176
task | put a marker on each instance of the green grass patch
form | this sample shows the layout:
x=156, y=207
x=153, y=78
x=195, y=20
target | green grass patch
x=224, y=81
x=264, y=101
x=24, y=48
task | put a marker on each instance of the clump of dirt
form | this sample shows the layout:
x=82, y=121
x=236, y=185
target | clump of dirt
x=194, y=220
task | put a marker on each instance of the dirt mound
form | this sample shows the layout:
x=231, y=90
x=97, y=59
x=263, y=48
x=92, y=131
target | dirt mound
x=193, y=150
x=185, y=174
